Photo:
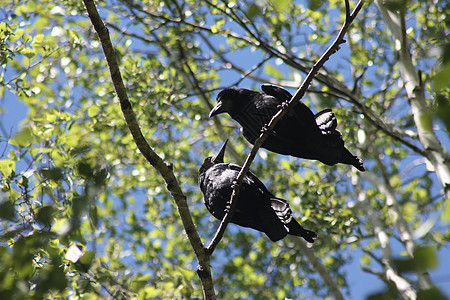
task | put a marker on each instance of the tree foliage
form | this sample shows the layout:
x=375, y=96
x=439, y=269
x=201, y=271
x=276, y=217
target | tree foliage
x=84, y=214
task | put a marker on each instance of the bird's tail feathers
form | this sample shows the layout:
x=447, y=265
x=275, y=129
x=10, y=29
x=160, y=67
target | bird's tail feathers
x=296, y=229
x=347, y=158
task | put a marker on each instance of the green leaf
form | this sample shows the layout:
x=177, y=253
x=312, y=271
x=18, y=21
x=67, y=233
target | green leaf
x=93, y=110
x=23, y=138
x=7, y=210
x=445, y=216
x=51, y=278
x=29, y=53
x=443, y=110
x=84, y=285
x=425, y=258
x=38, y=38
x=270, y=70
x=85, y=170
x=55, y=174
x=45, y=215
x=85, y=262
x=426, y=121
x=148, y=292
x=365, y=260
x=431, y=294
x=62, y=226
x=140, y=282
x=442, y=78
x=253, y=11
x=7, y=167
x=281, y=5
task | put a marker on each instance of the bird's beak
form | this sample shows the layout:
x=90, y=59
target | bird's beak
x=218, y=158
x=218, y=109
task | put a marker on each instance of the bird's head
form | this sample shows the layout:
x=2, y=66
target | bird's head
x=230, y=100
x=218, y=158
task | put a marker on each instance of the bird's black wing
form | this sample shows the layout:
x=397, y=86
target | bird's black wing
x=300, y=115
x=250, y=180
x=254, y=208
x=276, y=91
x=303, y=134
x=325, y=120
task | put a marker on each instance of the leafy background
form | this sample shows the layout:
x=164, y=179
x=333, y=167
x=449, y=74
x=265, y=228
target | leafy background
x=72, y=177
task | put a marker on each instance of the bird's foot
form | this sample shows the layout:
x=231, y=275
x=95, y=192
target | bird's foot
x=227, y=207
x=266, y=128
x=283, y=105
x=234, y=183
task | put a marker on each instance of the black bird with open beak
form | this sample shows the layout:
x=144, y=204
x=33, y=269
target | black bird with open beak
x=256, y=208
x=299, y=133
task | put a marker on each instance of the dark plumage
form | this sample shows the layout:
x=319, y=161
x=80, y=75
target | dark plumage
x=256, y=208
x=299, y=133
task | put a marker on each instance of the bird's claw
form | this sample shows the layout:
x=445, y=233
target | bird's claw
x=227, y=207
x=234, y=184
x=283, y=105
x=265, y=128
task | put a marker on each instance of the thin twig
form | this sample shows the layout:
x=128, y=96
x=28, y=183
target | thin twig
x=269, y=127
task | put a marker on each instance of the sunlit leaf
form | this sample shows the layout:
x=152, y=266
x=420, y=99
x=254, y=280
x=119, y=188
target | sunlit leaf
x=6, y=167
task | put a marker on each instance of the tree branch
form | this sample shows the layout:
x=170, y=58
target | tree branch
x=204, y=270
x=433, y=150
x=335, y=46
x=394, y=211
x=403, y=286
x=320, y=268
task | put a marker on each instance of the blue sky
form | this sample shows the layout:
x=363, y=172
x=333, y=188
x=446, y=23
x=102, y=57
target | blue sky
x=361, y=284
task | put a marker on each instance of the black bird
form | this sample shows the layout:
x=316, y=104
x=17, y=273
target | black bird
x=256, y=208
x=299, y=133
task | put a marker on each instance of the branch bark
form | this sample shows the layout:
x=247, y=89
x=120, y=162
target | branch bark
x=402, y=226
x=405, y=289
x=165, y=169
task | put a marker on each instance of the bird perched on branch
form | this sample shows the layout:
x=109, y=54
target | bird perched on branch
x=299, y=133
x=256, y=208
